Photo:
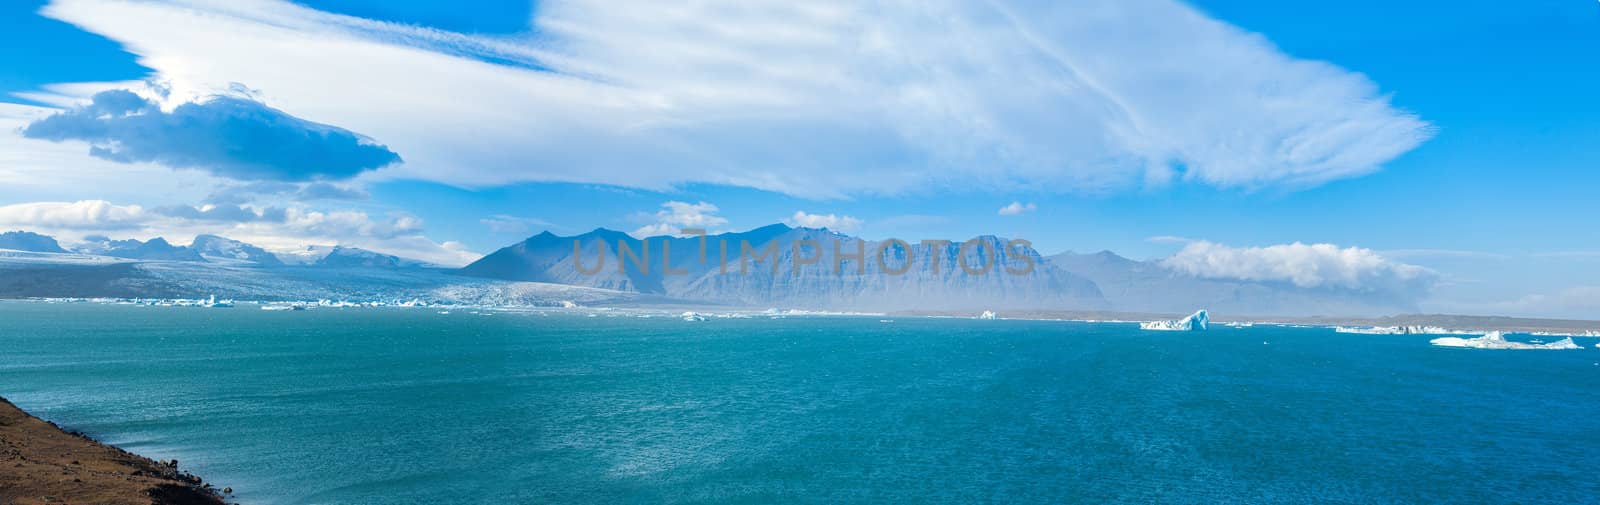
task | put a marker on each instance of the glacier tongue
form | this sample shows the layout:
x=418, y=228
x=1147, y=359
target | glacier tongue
x=1195, y=322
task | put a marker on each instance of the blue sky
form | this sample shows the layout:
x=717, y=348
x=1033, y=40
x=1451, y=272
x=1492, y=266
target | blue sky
x=1452, y=136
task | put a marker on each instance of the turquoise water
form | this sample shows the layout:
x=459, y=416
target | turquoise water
x=412, y=406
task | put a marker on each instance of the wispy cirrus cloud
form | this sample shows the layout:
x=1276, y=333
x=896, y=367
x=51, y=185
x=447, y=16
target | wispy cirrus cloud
x=816, y=99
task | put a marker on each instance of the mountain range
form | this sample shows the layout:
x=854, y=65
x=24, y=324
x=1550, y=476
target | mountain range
x=770, y=266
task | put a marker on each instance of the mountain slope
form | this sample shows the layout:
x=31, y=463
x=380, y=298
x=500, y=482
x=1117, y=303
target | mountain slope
x=763, y=267
x=212, y=246
x=155, y=249
x=28, y=241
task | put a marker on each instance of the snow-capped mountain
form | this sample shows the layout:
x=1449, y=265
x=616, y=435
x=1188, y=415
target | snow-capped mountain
x=215, y=247
x=355, y=257
x=155, y=249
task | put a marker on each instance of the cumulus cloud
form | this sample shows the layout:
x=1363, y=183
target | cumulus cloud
x=830, y=221
x=79, y=215
x=1017, y=209
x=223, y=213
x=817, y=99
x=1304, y=265
x=227, y=136
x=675, y=216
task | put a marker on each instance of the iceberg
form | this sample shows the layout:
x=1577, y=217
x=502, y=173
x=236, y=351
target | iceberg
x=1195, y=322
x=692, y=316
x=1497, y=340
x=213, y=302
x=988, y=314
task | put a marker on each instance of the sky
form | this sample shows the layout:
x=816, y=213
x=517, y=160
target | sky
x=1341, y=142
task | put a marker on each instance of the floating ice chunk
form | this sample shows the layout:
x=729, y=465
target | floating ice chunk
x=692, y=316
x=988, y=314
x=1497, y=340
x=1195, y=322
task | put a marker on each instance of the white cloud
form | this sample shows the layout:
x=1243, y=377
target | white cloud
x=675, y=216
x=38, y=170
x=818, y=99
x=1017, y=209
x=1304, y=265
x=275, y=229
x=843, y=224
x=80, y=215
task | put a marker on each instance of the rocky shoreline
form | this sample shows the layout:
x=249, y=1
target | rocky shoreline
x=42, y=463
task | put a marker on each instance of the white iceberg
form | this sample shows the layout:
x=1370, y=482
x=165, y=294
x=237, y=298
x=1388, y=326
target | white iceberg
x=692, y=316
x=988, y=314
x=1195, y=322
x=1497, y=340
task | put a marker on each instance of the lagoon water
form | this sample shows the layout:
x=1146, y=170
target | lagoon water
x=413, y=406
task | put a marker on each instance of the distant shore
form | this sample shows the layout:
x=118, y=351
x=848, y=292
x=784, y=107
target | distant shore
x=1448, y=321
x=41, y=463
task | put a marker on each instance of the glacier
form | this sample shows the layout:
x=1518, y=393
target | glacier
x=1195, y=322
x=1497, y=340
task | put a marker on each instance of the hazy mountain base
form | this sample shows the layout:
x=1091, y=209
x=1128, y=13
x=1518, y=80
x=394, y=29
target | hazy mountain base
x=771, y=266
x=47, y=275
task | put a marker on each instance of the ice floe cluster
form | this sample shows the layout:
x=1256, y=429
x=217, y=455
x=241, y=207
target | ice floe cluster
x=1497, y=340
